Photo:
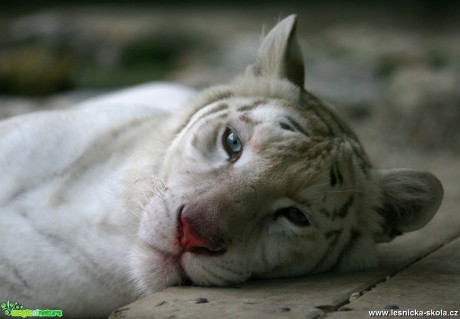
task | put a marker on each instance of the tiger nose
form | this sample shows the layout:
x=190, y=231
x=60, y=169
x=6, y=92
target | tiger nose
x=192, y=237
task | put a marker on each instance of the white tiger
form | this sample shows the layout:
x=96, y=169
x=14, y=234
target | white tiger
x=255, y=179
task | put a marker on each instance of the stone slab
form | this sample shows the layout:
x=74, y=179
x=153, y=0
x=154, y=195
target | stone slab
x=431, y=285
x=283, y=298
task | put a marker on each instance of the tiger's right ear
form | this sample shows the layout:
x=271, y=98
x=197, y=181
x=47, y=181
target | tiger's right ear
x=279, y=54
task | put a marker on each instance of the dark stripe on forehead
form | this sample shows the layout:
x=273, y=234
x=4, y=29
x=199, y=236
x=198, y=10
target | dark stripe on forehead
x=292, y=125
x=202, y=102
x=336, y=126
x=214, y=110
x=314, y=107
x=346, y=130
x=328, y=117
x=252, y=106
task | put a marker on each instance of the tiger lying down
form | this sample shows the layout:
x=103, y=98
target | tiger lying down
x=132, y=193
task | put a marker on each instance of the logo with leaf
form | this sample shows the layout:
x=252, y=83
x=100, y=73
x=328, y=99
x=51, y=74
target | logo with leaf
x=9, y=306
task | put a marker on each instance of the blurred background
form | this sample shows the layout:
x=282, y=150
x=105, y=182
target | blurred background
x=391, y=67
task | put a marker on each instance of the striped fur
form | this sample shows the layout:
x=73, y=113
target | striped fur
x=93, y=198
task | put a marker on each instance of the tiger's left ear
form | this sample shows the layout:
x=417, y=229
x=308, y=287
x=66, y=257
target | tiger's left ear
x=410, y=200
x=279, y=54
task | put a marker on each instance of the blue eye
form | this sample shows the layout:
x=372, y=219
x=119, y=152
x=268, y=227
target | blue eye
x=294, y=215
x=232, y=144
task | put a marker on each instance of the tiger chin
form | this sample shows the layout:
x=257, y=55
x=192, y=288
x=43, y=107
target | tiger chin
x=262, y=180
x=254, y=179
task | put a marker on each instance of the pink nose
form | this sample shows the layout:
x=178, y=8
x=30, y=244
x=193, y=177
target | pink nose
x=191, y=240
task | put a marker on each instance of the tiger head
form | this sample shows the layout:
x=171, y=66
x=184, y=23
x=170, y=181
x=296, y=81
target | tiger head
x=264, y=180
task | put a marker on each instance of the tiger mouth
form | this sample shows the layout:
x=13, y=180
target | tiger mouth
x=203, y=251
x=173, y=261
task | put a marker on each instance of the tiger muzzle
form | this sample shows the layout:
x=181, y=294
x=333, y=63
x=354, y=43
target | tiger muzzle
x=196, y=234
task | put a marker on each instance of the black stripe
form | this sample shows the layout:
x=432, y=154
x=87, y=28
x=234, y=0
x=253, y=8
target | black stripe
x=341, y=126
x=316, y=107
x=355, y=234
x=333, y=178
x=332, y=233
x=339, y=174
x=215, y=97
x=212, y=142
x=343, y=210
x=335, y=235
x=218, y=108
x=249, y=107
x=345, y=207
x=292, y=126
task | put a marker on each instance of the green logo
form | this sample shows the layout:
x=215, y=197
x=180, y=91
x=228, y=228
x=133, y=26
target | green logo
x=8, y=307
x=15, y=309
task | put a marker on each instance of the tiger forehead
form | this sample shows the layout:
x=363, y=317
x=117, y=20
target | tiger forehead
x=309, y=152
x=245, y=118
x=262, y=110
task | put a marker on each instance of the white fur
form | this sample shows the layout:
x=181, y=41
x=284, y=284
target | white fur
x=66, y=233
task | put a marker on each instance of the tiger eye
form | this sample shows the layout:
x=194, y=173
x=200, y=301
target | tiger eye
x=232, y=143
